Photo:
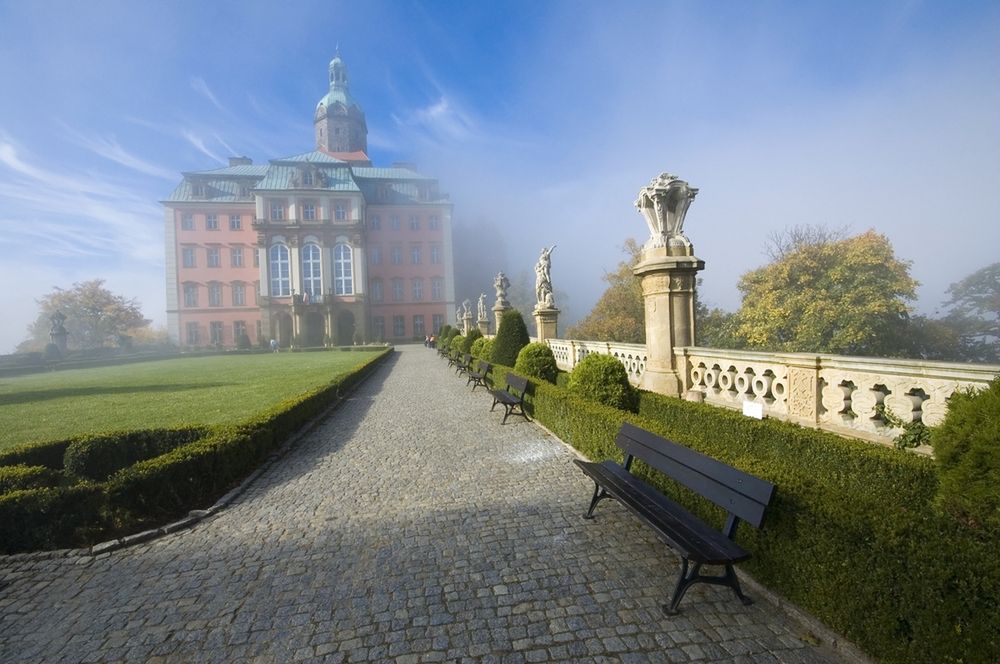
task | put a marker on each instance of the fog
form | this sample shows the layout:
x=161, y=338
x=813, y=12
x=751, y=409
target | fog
x=542, y=121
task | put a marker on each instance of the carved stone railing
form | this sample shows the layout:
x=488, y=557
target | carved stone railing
x=569, y=352
x=848, y=395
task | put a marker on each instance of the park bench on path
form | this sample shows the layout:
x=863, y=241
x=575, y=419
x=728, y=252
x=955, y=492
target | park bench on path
x=464, y=365
x=743, y=496
x=512, y=397
x=481, y=376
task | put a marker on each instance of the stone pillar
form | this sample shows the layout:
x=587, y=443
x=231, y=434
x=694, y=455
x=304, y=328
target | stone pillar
x=546, y=323
x=804, y=394
x=484, y=326
x=466, y=324
x=498, y=312
x=667, y=268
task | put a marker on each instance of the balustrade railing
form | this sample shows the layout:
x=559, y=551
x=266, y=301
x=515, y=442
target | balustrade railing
x=857, y=396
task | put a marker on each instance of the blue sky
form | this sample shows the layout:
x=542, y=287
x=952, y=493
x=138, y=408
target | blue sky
x=540, y=118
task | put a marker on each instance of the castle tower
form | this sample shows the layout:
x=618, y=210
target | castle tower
x=340, y=122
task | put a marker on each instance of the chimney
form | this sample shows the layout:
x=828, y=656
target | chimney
x=240, y=161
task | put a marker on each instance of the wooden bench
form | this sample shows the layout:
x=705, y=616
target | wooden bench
x=512, y=397
x=464, y=365
x=453, y=358
x=743, y=496
x=480, y=376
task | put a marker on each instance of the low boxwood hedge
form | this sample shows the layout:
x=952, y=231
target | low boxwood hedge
x=46, y=453
x=100, y=456
x=16, y=478
x=190, y=475
x=852, y=535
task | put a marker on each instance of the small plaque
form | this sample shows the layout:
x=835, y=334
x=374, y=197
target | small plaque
x=753, y=409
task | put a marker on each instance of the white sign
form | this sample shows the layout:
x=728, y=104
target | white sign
x=754, y=409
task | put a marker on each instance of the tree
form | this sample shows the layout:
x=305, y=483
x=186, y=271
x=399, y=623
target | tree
x=95, y=317
x=619, y=314
x=845, y=296
x=975, y=314
x=510, y=339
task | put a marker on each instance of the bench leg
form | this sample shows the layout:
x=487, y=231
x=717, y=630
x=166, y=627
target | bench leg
x=495, y=402
x=686, y=580
x=599, y=495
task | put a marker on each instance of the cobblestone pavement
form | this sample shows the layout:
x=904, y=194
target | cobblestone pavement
x=410, y=526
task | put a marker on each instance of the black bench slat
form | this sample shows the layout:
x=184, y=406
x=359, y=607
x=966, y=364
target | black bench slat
x=480, y=377
x=737, y=492
x=512, y=397
x=743, y=496
x=685, y=532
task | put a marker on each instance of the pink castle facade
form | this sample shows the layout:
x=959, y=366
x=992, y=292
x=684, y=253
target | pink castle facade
x=314, y=249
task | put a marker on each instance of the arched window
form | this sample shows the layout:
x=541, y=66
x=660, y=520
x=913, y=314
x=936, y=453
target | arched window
x=281, y=285
x=312, y=281
x=343, y=272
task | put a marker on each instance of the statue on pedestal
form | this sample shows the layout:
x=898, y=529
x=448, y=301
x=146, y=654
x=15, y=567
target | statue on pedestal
x=466, y=309
x=501, y=284
x=481, y=308
x=543, y=280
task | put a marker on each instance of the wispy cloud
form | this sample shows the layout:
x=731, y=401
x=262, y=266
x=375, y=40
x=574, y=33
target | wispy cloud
x=201, y=87
x=110, y=149
x=199, y=144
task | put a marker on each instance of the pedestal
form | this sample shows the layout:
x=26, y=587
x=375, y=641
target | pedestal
x=466, y=325
x=484, y=326
x=668, y=283
x=498, y=312
x=546, y=324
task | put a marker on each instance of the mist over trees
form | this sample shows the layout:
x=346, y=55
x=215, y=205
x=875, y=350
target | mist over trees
x=823, y=291
x=95, y=317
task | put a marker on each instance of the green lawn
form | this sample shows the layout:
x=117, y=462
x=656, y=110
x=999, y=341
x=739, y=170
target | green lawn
x=184, y=391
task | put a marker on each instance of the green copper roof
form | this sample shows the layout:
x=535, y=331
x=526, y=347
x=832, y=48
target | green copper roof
x=280, y=176
x=238, y=171
x=314, y=157
x=214, y=190
x=339, y=90
x=374, y=172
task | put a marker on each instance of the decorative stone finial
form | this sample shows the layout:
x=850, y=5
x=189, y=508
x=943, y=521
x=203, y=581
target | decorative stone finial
x=664, y=203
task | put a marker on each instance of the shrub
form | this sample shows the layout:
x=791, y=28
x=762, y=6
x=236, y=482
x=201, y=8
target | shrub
x=603, y=379
x=98, y=457
x=455, y=346
x=243, y=343
x=50, y=518
x=471, y=338
x=52, y=353
x=486, y=351
x=967, y=447
x=477, y=347
x=443, y=332
x=511, y=338
x=49, y=454
x=536, y=360
x=16, y=478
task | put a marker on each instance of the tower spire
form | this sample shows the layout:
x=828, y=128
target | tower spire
x=339, y=121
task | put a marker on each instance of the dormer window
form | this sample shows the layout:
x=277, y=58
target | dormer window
x=307, y=179
x=197, y=190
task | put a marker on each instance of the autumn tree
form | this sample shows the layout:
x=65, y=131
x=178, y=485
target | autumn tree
x=94, y=317
x=830, y=295
x=619, y=314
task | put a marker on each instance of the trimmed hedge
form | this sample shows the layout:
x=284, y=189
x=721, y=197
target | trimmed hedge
x=17, y=478
x=100, y=456
x=473, y=336
x=48, y=453
x=851, y=536
x=511, y=337
x=537, y=361
x=55, y=518
x=603, y=379
x=192, y=475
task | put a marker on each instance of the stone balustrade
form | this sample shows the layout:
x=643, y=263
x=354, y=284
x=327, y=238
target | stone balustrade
x=569, y=352
x=847, y=395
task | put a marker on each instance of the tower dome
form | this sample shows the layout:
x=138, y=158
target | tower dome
x=339, y=120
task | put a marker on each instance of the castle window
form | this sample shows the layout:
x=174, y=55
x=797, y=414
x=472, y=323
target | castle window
x=375, y=223
x=235, y=222
x=376, y=290
x=281, y=285
x=187, y=257
x=307, y=178
x=396, y=255
x=435, y=254
x=187, y=222
x=435, y=222
x=312, y=281
x=415, y=254
x=417, y=290
x=394, y=222
x=191, y=333
x=239, y=295
x=277, y=210
x=211, y=222
x=215, y=294
x=214, y=259
x=437, y=288
x=414, y=222
x=343, y=270
x=236, y=256
x=215, y=332
x=397, y=290
x=376, y=255
x=339, y=211
x=190, y=295
x=309, y=211
x=398, y=326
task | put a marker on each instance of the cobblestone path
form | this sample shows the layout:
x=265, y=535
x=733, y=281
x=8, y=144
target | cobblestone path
x=410, y=526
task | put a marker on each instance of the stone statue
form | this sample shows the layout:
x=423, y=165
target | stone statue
x=481, y=308
x=664, y=203
x=501, y=284
x=56, y=321
x=543, y=280
x=466, y=309
x=458, y=316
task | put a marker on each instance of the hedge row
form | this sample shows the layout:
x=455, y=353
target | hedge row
x=198, y=468
x=851, y=535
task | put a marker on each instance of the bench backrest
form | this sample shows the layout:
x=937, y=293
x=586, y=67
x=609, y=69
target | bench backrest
x=742, y=495
x=516, y=385
x=467, y=360
x=485, y=367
